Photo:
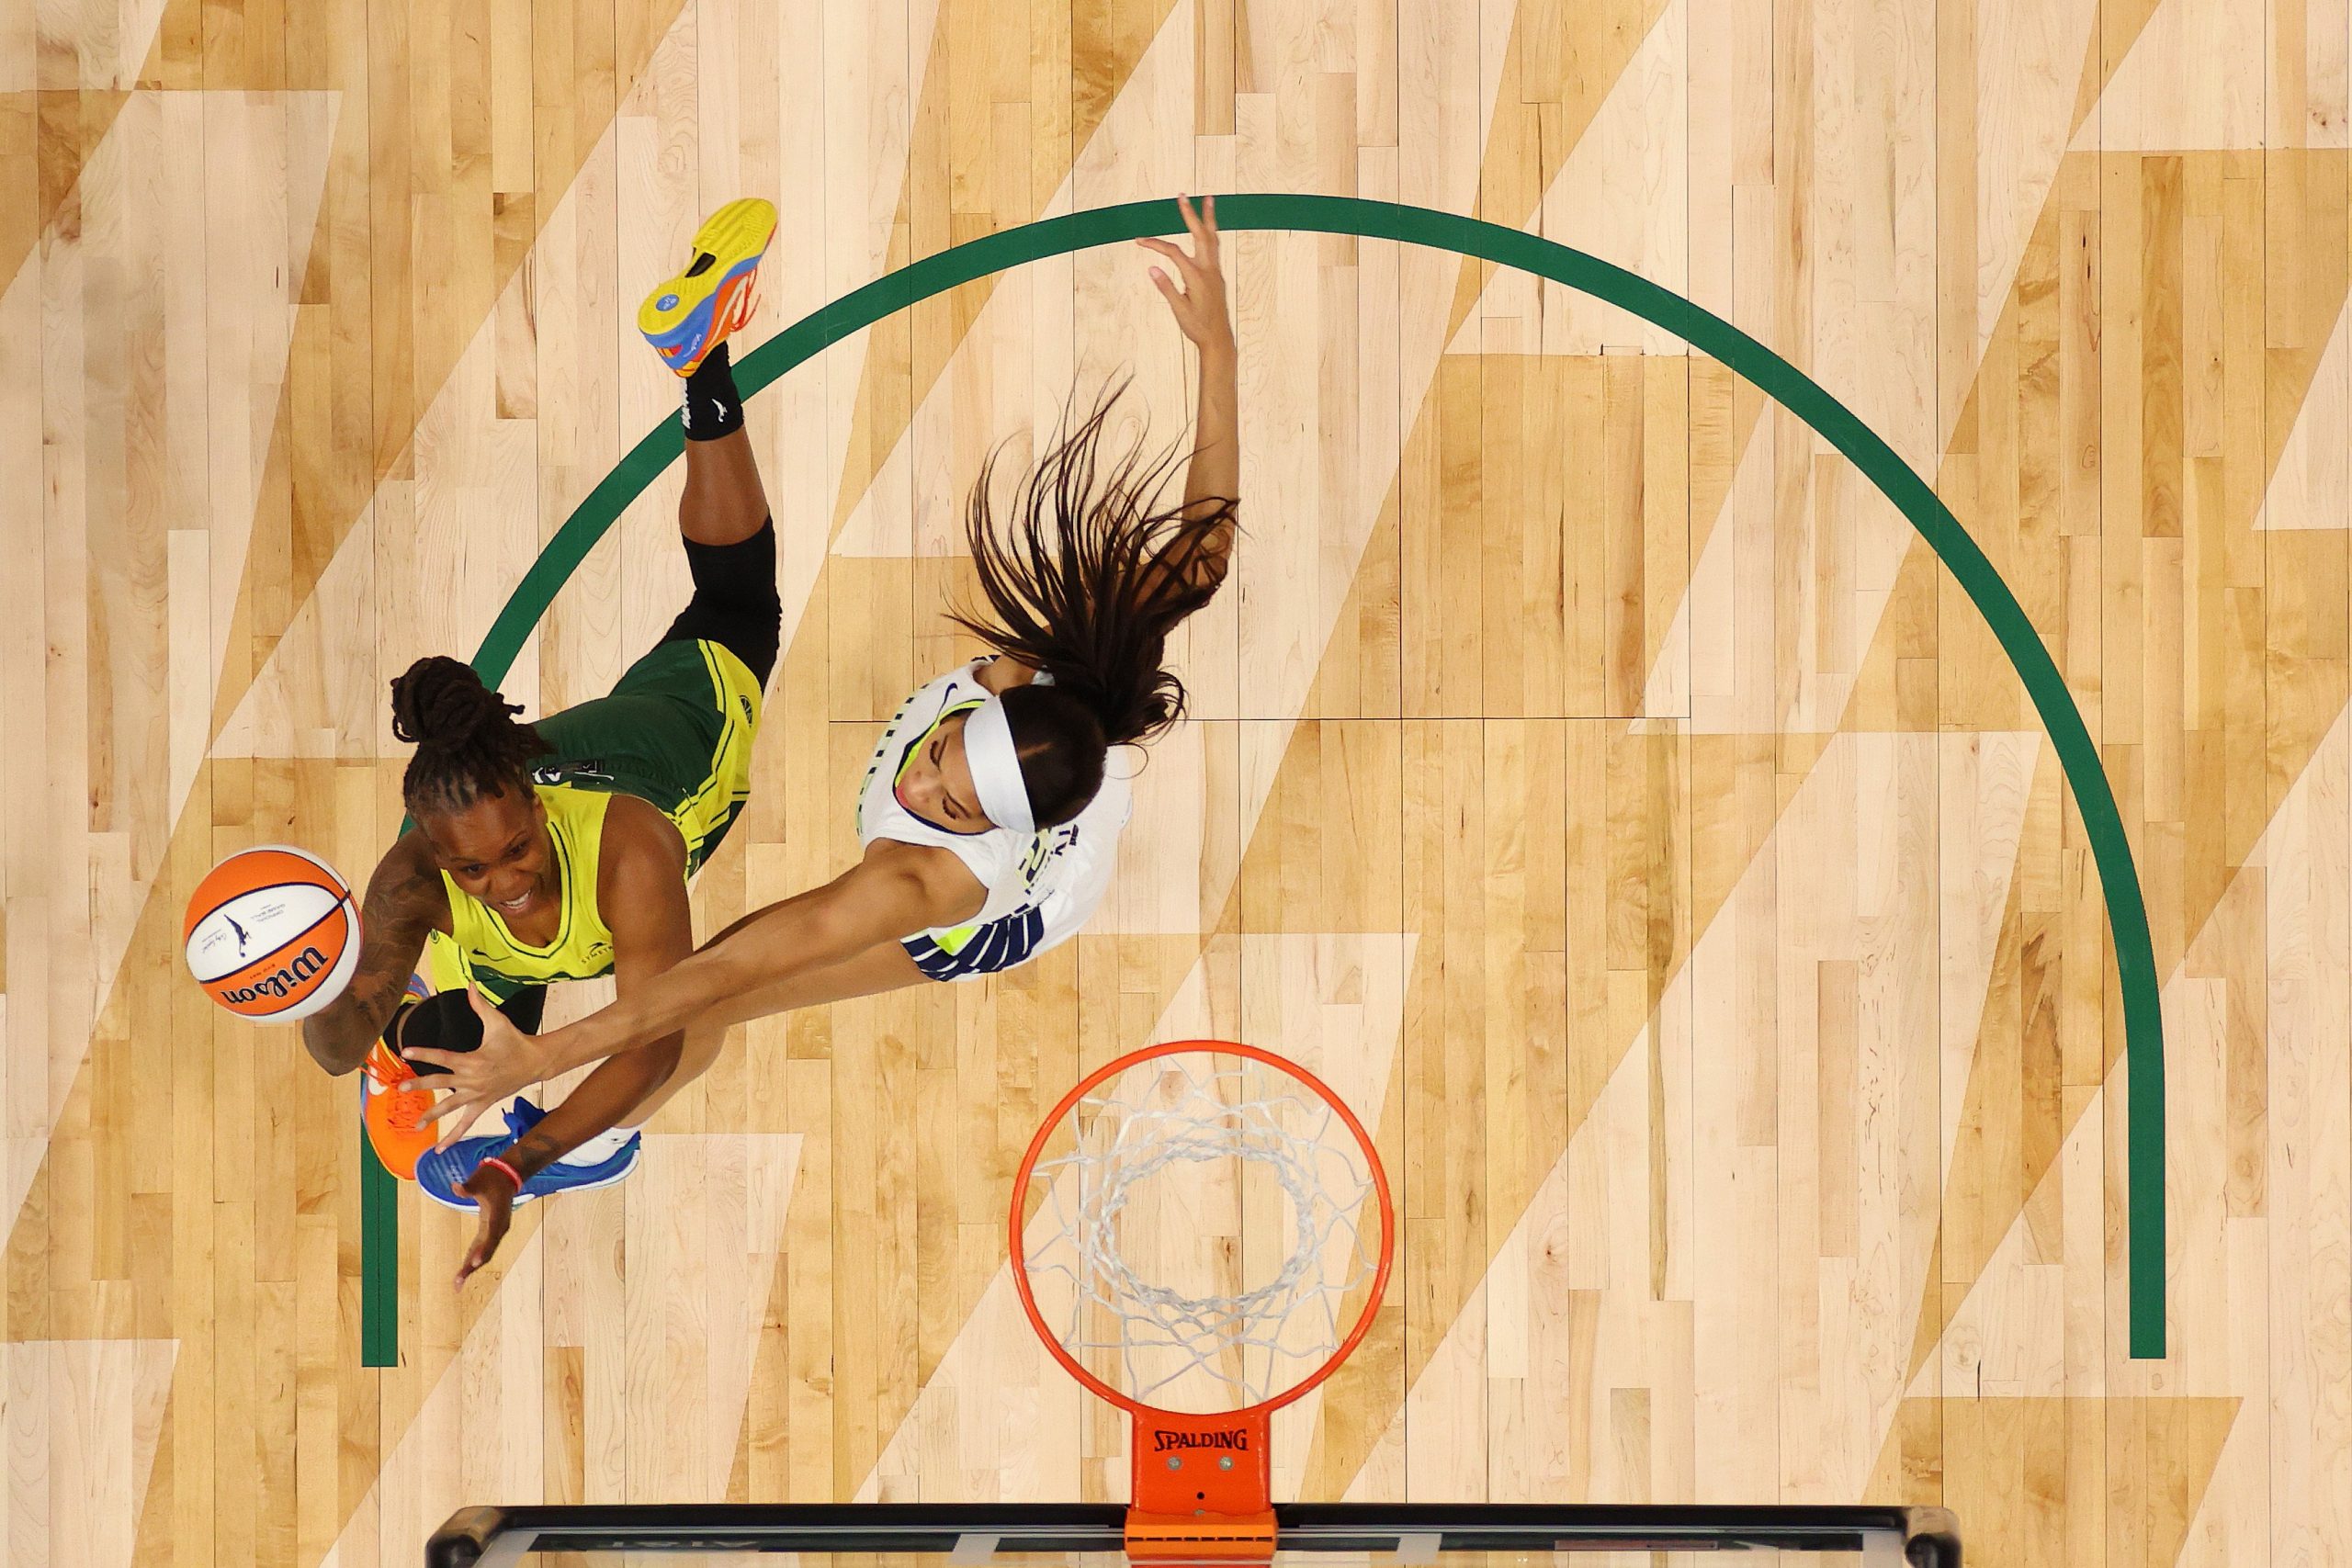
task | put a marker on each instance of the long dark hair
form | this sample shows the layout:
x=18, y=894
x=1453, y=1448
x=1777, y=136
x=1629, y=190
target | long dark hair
x=1084, y=582
x=468, y=744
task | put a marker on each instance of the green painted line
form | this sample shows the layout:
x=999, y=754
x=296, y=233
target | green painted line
x=2127, y=914
x=380, y=1259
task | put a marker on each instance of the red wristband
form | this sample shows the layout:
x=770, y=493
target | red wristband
x=511, y=1174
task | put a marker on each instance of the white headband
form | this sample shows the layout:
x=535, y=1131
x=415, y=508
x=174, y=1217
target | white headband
x=996, y=767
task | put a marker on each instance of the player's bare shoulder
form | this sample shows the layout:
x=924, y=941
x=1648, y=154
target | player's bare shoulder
x=948, y=890
x=639, y=834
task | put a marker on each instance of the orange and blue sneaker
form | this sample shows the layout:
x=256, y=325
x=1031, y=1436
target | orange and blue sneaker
x=392, y=1103
x=690, y=315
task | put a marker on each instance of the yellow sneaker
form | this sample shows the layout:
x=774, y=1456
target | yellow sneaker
x=690, y=315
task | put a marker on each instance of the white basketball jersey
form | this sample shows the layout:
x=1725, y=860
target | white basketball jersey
x=1041, y=885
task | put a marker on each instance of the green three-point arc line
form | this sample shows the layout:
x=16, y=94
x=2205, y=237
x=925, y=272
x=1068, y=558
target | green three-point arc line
x=1710, y=335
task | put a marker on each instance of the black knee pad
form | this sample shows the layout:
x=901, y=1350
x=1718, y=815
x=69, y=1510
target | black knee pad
x=444, y=1021
x=735, y=602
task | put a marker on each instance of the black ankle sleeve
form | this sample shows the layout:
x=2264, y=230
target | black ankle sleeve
x=713, y=407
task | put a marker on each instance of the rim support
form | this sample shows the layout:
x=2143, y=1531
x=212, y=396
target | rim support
x=1203, y=1487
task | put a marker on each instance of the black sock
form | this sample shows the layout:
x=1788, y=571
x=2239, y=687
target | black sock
x=713, y=407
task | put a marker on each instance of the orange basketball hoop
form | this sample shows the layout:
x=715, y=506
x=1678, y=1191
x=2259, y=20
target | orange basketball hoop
x=1186, y=1135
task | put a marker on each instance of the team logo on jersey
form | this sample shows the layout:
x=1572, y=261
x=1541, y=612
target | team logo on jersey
x=1049, y=843
x=565, y=771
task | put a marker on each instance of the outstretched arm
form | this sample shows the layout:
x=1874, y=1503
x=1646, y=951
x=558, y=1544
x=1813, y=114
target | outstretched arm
x=405, y=899
x=1214, y=479
x=611, y=1092
x=641, y=891
x=896, y=890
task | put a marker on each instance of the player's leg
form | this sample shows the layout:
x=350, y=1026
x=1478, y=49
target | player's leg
x=729, y=541
x=526, y=1010
x=724, y=502
x=723, y=513
x=448, y=1022
x=395, y=1092
x=393, y=1098
x=688, y=320
x=689, y=708
x=723, y=516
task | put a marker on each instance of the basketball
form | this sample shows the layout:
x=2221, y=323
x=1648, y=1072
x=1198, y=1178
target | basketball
x=272, y=933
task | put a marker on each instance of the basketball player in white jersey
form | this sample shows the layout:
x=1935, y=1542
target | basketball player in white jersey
x=989, y=822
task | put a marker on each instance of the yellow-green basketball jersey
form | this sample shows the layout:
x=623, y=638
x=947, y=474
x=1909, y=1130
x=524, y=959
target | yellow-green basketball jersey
x=677, y=732
x=480, y=943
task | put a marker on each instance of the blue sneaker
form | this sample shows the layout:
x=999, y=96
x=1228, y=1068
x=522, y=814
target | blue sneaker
x=441, y=1172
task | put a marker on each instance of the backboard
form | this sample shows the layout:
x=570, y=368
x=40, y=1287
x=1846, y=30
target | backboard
x=1309, y=1535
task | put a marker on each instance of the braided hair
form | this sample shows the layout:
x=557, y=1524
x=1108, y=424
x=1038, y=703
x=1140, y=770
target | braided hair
x=1085, y=584
x=468, y=744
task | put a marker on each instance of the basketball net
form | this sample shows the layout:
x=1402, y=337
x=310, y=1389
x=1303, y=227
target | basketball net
x=1203, y=1253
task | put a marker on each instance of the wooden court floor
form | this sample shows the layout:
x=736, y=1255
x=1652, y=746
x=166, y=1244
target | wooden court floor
x=1590, y=775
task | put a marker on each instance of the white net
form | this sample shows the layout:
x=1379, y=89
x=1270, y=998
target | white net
x=1207, y=1230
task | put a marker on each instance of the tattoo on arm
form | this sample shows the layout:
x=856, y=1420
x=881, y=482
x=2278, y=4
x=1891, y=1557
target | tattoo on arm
x=395, y=919
x=533, y=1153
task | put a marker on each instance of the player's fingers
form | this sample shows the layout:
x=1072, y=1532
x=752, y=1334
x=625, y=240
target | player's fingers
x=1204, y=226
x=487, y=1236
x=448, y=1105
x=1166, y=287
x=444, y=1059
x=461, y=1113
x=1185, y=264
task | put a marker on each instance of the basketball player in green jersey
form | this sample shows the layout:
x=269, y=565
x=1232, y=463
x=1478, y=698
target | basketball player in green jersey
x=560, y=849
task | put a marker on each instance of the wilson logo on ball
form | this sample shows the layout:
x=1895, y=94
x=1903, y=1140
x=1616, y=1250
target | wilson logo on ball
x=283, y=983
x=272, y=933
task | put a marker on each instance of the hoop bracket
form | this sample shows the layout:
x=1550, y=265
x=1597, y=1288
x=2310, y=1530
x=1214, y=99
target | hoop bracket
x=1202, y=1487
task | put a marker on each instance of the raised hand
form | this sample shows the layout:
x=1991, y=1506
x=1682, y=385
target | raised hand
x=495, y=1196
x=507, y=1062
x=1198, y=304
